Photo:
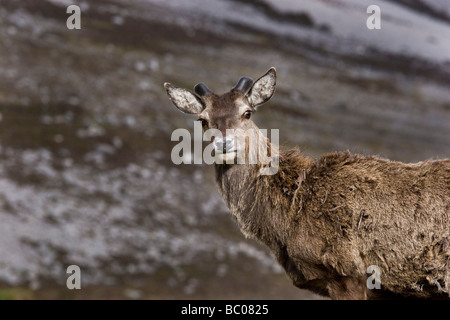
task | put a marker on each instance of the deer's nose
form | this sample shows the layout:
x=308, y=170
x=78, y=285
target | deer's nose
x=224, y=145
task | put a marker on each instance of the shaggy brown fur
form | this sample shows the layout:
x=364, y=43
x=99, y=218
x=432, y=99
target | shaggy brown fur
x=328, y=220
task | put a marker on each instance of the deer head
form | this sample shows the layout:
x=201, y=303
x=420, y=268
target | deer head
x=229, y=113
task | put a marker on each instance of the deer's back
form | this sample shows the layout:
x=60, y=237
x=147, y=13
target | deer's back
x=370, y=211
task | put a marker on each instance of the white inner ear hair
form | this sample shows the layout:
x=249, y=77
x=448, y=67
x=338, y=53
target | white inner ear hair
x=186, y=100
x=262, y=90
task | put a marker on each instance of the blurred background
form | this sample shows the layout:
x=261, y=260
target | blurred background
x=85, y=126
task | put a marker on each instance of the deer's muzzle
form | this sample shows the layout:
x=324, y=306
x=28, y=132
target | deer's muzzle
x=225, y=145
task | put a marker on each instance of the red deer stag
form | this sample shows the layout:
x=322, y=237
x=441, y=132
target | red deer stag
x=328, y=220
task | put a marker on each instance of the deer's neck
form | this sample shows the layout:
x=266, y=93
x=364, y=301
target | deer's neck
x=264, y=204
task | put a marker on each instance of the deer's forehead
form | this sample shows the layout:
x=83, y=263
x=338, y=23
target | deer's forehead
x=225, y=105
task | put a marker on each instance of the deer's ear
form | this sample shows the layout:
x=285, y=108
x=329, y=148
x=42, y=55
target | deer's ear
x=263, y=88
x=184, y=99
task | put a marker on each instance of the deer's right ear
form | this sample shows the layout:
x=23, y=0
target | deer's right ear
x=263, y=88
x=184, y=99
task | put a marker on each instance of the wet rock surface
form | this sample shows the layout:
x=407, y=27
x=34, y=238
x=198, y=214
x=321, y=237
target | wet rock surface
x=85, y=133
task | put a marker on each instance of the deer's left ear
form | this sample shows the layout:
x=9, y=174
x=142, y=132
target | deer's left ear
x=184, y=99
x=263, y=88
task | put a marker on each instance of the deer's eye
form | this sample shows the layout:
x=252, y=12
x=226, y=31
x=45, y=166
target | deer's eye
x=203, y=122
x=247, y=114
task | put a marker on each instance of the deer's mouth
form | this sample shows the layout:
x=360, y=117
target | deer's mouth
x=227, y=157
